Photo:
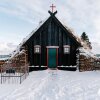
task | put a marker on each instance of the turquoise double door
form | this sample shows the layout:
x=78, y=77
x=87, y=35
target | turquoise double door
x=52, y=58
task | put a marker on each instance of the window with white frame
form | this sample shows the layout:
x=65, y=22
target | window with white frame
x=37, y=49
x=66, y=49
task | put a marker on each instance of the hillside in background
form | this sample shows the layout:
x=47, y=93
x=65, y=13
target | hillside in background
x=4, y=57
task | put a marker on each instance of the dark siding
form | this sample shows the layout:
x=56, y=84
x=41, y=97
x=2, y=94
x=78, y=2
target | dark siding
x=51, y=34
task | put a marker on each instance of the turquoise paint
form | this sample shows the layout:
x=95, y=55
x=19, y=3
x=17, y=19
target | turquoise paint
x=52, y=58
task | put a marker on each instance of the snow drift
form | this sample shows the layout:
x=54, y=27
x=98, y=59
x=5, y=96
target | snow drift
x=54, y=85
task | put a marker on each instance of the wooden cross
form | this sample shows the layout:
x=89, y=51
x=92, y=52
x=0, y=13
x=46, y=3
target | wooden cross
x=52, y=7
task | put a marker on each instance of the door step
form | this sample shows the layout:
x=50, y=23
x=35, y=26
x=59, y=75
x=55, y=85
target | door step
x=53, y=68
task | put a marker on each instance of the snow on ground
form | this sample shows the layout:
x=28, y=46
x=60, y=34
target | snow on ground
x=54, y=85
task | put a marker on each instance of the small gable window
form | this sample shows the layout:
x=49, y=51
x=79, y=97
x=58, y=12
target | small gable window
x=37, y=49
x=66, y=49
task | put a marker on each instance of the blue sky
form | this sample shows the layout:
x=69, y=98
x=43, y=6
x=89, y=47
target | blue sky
x=19, y=17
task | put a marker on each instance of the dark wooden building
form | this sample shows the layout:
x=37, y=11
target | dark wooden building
x=52, y=44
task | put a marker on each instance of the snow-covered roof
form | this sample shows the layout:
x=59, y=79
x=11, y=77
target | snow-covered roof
x=40, y=24
x=86, y=53
x=71, y=31
x=26, y=38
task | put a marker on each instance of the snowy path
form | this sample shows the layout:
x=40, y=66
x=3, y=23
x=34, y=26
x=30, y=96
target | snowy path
x=55, y=85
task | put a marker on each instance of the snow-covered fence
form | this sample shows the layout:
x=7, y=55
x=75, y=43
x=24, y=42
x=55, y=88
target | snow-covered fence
x=14, y=75
x=16, y=69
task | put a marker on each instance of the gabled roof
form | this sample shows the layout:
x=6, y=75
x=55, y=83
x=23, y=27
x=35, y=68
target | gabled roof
x=87, y=53
x=60, y=22
x=71, y=33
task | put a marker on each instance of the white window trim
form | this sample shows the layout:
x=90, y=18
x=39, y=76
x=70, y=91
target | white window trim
x=52, y=46
x=66, y=49
x=37, y=49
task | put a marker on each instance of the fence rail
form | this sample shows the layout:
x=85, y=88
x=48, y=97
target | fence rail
x=16, y=76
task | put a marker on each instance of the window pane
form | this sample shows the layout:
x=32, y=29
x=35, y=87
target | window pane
x=66, y=50
x=37, y=49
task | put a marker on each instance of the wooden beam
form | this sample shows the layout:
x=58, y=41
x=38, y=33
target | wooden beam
x=51, y=13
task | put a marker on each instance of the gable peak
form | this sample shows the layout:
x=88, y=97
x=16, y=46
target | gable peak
x=52, y=13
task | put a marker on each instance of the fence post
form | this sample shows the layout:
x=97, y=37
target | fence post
x=1, y=74
x=20, y=79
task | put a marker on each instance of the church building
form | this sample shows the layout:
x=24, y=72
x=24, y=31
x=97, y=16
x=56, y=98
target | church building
x=52, y=44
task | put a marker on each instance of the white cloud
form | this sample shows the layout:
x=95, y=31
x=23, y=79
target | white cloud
x=81, y=15
x=29, y=11
x=96, y=35
x=96, y=48
x=6, y=48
